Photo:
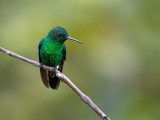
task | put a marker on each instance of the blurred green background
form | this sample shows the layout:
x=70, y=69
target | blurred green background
x=118, y=66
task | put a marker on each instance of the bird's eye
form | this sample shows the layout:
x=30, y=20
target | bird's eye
x=59, y=35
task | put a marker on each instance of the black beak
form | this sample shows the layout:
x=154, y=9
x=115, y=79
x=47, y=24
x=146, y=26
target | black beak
x=70, y=38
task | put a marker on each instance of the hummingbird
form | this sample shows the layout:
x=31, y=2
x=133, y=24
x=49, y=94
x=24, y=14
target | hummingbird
x=52, y=52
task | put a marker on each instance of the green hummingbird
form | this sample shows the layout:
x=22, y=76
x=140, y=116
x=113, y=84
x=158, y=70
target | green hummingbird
x=52, y=52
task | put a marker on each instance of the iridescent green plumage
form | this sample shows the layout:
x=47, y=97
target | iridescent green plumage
x=52, y=52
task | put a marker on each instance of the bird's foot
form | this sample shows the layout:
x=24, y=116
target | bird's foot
x=55, y=68
x=41, y=64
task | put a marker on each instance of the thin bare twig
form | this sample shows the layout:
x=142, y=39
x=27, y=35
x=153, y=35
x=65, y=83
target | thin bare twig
x=63, y=78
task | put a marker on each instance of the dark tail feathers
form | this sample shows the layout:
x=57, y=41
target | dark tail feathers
x=53, y=81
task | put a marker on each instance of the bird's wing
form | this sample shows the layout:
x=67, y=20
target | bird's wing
x=44, y=73
x=63, y=59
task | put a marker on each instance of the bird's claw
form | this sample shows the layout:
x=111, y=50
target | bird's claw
x=41, y=64
x=55, y=68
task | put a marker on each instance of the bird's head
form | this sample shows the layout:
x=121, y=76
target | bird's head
x=60, y=34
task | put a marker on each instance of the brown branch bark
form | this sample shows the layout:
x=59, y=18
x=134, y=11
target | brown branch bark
x=63, y=78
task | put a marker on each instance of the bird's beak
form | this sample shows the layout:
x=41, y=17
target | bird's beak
x=73, y=39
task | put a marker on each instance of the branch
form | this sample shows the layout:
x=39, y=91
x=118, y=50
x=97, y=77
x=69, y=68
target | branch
x=63, y=78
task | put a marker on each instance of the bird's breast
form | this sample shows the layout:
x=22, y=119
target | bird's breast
x=51, y=55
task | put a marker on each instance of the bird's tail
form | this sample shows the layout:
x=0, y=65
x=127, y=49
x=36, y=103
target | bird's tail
x=53, y=80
